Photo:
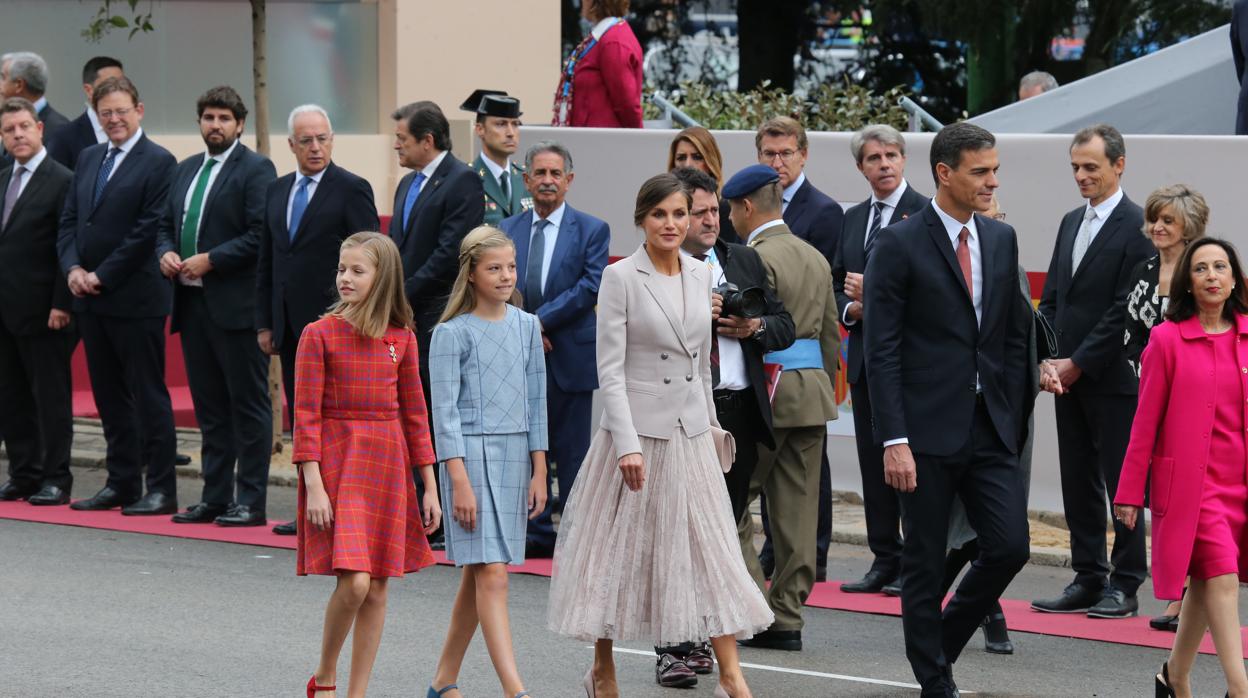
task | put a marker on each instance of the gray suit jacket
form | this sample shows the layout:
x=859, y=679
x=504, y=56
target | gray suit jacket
x=654, y=365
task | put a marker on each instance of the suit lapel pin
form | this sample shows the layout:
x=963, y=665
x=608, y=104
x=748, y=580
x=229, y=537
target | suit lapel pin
x=394, y=356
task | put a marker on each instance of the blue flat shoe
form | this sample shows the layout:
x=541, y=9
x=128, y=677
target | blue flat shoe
x=438, y=693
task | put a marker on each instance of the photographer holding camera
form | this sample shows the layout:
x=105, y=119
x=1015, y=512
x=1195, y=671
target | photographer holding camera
x=750, y=321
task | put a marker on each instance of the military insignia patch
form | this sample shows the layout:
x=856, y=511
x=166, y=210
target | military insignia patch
x=526, y=203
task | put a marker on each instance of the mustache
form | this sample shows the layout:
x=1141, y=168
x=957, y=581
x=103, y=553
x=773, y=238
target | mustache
x=547, y=189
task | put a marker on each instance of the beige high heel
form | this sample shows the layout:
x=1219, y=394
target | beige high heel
x=589, y=684
x=720, y=692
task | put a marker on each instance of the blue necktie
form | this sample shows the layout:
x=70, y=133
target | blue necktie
x=533, y=270
x=413, y=192
x=299, y=205
x=106, y=168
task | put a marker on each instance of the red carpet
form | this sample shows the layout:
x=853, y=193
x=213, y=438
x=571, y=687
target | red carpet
x=1020, y=617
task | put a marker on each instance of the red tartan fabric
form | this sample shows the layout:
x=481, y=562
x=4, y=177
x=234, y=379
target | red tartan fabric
x=360, y=411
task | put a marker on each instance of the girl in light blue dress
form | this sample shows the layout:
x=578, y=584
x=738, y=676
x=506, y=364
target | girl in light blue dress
x=487, y=375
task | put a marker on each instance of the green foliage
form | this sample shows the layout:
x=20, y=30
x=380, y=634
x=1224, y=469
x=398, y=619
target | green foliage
x=106, y=19
x=831, y=107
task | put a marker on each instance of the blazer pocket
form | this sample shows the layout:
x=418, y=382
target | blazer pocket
x=468, y=415
x=641, y=388
x=1161, y=478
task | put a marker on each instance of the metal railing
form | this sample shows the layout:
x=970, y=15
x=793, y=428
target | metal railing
x=672, y=112
x=919, y=116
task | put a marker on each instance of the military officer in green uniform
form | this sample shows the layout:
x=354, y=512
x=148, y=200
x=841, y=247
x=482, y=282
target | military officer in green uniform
x=498, y=128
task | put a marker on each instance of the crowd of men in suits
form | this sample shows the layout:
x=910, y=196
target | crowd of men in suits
x=106, y=238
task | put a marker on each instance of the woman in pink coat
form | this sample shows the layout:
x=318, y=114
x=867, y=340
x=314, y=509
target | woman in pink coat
x=601, y=81
x=1188, y=447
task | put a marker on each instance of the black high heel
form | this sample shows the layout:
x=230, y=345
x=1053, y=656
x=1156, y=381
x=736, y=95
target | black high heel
x=1162, y=682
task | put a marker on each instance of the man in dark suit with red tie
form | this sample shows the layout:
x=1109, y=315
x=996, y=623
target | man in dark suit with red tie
x=880, y=152
x=107, y=249
x=308, y=213
x=947, y=362
x=209, y=236
x=36, y=336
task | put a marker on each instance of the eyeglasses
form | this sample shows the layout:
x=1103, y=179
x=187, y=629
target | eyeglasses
x=306, y=141
x=119, y=113
x=771, y=155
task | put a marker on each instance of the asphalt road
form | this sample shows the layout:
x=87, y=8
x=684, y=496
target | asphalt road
x=98, y=613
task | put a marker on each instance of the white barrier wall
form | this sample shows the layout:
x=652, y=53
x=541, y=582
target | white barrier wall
x=1036, y=190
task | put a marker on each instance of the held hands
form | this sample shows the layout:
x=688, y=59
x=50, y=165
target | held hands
x=170, y=264
x=1050, y=381
x=431, y=510
x=197, y=266
x=633, y=468
x=1067, y=372
x=84, y=283
x=1127, y=514
x=853, y=286
x=899, y=468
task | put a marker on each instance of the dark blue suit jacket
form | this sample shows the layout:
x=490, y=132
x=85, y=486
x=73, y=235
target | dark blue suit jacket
x=568, y=317
x=851, y=257
x=1087, y=308
x=816, y=218
x=71, y=139
x=1239, y=49
x=295, y=280
x=924, y=348
x=448, y=208
x=230, y=228
x=116, y=238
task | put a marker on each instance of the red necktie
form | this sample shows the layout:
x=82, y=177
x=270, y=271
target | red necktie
x=964, y=261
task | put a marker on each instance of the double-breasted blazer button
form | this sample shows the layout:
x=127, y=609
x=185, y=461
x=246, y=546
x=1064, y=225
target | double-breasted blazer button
x=689, y=378
x=695, y=354
x=663, y=356
x=667, y=380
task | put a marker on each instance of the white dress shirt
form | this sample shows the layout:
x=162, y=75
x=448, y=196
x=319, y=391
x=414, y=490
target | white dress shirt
x=290, y=200
x=769, y=224
x=791, y=190
x=550, y=236
x=40, y=104
x=125, y=149
x=1103, y=210
x=190, y=193
x=94, y=118
x=31, y=165
x=496, y=169
x=890, y=205
x=732, y=374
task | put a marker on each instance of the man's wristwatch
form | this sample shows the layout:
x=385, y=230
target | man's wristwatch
x=762, y=327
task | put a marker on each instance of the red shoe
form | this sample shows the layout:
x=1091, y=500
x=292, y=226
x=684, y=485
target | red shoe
x=313, y=688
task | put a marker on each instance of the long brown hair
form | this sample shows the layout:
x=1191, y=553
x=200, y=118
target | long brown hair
x=654, y=190
x=703, y=142
x=1183, y=301
x=385, y=305
x=463, y=296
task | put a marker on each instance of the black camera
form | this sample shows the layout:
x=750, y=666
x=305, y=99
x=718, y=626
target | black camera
x=741, y=302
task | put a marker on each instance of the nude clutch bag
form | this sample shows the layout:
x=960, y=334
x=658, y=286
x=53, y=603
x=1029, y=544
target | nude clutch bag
x=725, y=448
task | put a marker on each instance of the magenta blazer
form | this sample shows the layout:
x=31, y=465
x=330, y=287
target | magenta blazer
x=1169, y=446
x=606, y=86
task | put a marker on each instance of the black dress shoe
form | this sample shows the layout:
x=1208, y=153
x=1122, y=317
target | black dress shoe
x=996, y=636
x=242, y=515
x=893, y=588
x=49, y=495
x=286, y=529
x=1165, y=623
x=11, y=491
x=105, y=499
x=821, y=573
x=788, y=640
x=181, y=459
x=700, y=659
x=200, y=513
x=1075, y=598
x=1115, y=604
x=152, y=504
x=871, y=583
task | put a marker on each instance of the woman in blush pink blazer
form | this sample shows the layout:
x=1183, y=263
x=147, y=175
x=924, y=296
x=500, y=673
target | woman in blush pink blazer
x=1188, y=447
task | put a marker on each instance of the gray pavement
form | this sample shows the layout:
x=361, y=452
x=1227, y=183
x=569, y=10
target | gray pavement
x=103, y=613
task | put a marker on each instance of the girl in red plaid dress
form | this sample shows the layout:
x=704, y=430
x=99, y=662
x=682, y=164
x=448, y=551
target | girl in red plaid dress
x=360, y=424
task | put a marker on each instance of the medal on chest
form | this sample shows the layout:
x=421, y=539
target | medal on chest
x=394, y=355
